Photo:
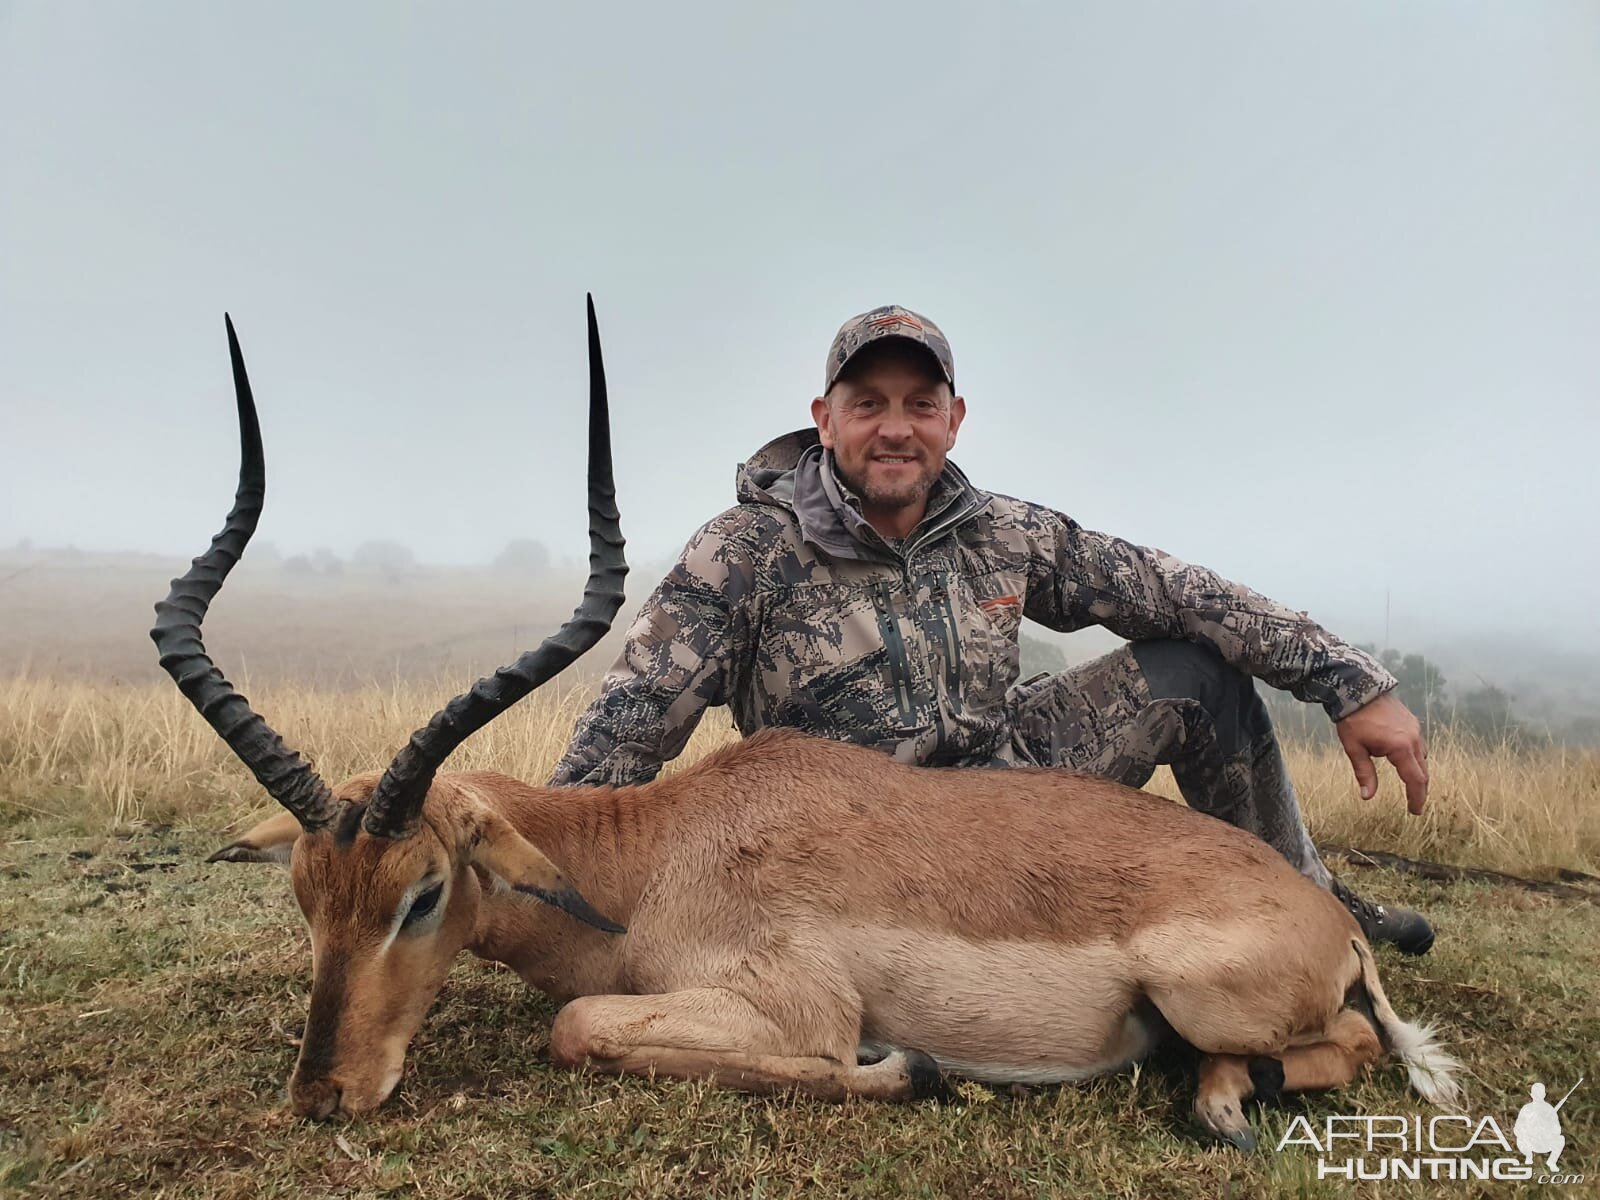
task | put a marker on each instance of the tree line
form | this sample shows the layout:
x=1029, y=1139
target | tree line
x=525, y=558
x=1483, y=711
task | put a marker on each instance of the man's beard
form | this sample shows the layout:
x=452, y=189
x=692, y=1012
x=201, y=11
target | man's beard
x=900, y=495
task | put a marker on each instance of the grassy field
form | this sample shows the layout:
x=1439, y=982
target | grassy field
x=149, y=1003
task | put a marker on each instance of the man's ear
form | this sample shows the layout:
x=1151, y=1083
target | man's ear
x=958, y=414
x=271, y=841
x=823, y=416
x=497, y=847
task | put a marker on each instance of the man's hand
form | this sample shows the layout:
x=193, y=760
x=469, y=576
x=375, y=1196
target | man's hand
x=1385, y=728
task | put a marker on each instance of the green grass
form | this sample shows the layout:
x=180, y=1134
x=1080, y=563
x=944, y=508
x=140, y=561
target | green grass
x=148, y=1005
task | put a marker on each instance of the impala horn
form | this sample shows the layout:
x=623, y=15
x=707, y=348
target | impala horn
x=396, y=804
x=288, y=778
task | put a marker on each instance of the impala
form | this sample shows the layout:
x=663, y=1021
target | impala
x=789, y=913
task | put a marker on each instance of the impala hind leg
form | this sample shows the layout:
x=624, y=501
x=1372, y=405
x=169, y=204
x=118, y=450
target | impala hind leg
x=1226, y=1082
x=1333, y=1060
x=717, y=1034
x=1349, y=1043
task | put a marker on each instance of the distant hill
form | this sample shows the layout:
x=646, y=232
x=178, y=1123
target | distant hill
x=80, y=615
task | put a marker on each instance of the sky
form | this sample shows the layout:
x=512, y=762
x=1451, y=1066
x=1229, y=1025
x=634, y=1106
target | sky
x=1307, y=293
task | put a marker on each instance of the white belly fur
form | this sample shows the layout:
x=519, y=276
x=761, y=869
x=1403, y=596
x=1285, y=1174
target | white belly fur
x=1000, y=1012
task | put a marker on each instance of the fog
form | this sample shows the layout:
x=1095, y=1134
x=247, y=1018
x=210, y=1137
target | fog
x=1309, y=294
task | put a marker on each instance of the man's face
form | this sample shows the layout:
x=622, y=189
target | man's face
x=889, y=425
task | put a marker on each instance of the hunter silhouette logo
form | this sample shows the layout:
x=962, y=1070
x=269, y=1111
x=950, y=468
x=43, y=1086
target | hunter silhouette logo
x=1439, y=1147
x=1538, y=1127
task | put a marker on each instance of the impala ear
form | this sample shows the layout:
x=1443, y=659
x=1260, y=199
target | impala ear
x=497, y=847
x=271, y=841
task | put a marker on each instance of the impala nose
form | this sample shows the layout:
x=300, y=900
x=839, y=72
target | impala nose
x=317, y=1099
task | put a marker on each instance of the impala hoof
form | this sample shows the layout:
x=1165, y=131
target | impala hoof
x=1223, y=1117
x=927, y=1081
x=1244, y=1138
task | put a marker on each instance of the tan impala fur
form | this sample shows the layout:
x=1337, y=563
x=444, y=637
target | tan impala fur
x=789, y=899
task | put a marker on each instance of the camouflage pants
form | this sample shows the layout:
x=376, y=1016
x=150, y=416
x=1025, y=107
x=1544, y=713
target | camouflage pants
x=1177, y=703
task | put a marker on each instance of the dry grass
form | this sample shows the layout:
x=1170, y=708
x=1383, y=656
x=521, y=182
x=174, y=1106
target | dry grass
x=103, y=756
x=1525, y=812
x=148, y=1001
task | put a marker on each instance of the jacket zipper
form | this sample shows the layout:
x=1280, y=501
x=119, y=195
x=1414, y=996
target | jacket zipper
x=888, y=626
x=952, y=662
x=899, y=666
x=963, y=512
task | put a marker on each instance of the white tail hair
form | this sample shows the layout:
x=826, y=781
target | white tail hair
x=1431, y=1068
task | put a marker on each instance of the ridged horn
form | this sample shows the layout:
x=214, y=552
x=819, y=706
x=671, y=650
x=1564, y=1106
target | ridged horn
x=288, y=778
x=396, y=805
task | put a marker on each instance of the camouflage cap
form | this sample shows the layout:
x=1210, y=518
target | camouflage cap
x=890, y=320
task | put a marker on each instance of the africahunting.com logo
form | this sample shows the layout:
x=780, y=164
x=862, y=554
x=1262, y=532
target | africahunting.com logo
x=1448, y=1146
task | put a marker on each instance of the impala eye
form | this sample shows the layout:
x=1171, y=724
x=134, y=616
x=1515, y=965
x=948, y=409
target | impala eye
x=423, y=905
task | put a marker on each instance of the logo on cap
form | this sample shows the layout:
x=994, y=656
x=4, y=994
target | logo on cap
x=889, y=320
x=892, y=321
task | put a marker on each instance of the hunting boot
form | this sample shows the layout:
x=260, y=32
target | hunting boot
x=1402, y=928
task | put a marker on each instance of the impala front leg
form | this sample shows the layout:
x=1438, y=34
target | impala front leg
x=717, y=1034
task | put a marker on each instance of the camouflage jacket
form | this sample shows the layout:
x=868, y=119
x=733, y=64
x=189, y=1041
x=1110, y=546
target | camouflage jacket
x=790, y=609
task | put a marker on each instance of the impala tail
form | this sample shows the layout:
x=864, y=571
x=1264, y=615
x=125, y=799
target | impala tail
x=1432, y=1069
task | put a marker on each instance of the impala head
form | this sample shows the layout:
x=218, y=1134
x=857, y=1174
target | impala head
x=385, y=866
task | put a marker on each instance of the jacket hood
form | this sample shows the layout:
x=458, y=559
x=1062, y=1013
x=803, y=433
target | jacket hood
x=767, y=477
x=794, y=472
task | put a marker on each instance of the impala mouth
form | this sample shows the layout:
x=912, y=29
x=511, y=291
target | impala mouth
x=351, y=1089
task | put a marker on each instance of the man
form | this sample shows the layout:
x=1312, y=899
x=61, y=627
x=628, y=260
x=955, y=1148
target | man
x=1538, y=1127
x=862, y=589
